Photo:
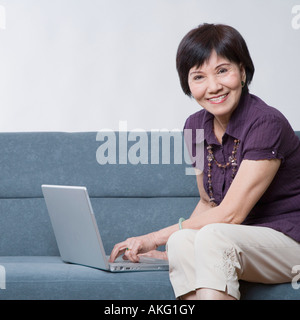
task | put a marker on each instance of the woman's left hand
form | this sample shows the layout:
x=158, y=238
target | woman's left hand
x=132, y=247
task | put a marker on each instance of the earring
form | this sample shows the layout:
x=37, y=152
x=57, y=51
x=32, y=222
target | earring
x=243, y=84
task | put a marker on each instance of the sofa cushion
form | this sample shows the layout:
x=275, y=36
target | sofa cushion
x=25, y=226
x=49, y=278
x=31, y=159
x=150, y=195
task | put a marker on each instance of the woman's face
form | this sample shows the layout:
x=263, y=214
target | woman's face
x=217, y=85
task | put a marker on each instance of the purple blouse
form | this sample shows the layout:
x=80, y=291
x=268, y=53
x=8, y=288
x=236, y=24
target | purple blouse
x=264, y=133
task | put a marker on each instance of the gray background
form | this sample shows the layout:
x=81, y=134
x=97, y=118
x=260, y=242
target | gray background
x=85, y=65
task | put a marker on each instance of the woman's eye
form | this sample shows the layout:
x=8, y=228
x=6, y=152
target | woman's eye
x=198, y=77
x=223, y=70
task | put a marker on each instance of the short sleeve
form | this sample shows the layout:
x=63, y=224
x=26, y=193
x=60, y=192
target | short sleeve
x=265, y=139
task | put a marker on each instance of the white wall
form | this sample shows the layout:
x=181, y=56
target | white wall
x=85, y=65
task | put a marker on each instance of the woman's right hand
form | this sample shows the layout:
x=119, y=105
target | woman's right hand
x=132, y=247
x=155, y=254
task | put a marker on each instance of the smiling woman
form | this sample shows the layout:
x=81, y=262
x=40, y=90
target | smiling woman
x=246, y=225
x=224, y=40
x=217, y=86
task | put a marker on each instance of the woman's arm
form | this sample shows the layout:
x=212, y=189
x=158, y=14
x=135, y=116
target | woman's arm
x=251, y=181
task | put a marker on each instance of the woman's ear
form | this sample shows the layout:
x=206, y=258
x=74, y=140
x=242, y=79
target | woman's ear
x=243, y=73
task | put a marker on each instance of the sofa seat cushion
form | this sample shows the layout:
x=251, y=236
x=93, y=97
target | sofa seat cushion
x=48, y=277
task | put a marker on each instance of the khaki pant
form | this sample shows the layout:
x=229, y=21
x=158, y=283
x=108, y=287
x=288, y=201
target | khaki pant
x=220, y=254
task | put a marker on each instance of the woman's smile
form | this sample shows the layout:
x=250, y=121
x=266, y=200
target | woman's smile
x=218, y=99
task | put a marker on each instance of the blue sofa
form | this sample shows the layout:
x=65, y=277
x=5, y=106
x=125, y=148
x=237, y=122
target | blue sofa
x=128, y=199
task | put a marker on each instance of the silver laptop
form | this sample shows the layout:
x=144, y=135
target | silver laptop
x=77, y=234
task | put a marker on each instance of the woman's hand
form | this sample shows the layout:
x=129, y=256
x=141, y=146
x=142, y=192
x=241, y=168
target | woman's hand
x=132, y=247
x=155, y=254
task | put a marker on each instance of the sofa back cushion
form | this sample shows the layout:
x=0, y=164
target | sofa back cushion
x=128, y=198
x=31, y=159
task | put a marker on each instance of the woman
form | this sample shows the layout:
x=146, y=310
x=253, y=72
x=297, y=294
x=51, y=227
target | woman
x=247, y=222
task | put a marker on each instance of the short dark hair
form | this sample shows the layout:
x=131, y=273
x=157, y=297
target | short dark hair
x=196, y=48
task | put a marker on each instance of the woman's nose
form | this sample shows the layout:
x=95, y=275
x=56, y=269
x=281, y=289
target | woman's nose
x=213, y=85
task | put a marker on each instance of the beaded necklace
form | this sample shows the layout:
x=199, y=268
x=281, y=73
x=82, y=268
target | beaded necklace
x=231, y=162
